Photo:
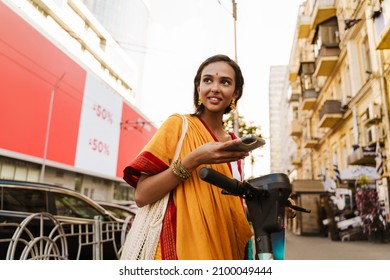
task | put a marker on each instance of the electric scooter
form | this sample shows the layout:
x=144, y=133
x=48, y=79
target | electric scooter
x=266, y=198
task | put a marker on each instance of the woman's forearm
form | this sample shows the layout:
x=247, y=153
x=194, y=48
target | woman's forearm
x=152, y=188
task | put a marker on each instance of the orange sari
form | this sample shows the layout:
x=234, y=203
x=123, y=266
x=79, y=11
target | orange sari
x=200, y=223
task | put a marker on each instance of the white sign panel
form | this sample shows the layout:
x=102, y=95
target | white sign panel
x=98, y=139
x=356, y=171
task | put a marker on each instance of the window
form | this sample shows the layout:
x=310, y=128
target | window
x=7, y=171
x=366, y=58
x=123, y=192
x=295, y=110
x=18, y=170
x=21, y=173
x=70, y=206
x=24, y=200
x=60, y=173
x=329, y=35
x=78, y=182
x=33, y=174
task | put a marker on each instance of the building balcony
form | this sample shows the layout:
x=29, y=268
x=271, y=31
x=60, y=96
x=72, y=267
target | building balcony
x=303, y=27
x=309, y=99
x=326, y=60
x=321, y=11
x=310, y=142
x=294, y=97
x=330, y=113
x=384, y=40
x=382, y=30
x=293, y=73
x=296, y=160
x=362, y=156
x=295, y=128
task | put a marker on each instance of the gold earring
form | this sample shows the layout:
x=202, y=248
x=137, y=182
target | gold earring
x=199, y=101
x=233, y=105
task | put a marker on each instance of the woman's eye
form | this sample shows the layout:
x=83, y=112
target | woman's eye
x=207, y=80
x=226, y=82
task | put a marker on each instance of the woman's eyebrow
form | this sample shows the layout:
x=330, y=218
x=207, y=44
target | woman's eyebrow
x=220, y=77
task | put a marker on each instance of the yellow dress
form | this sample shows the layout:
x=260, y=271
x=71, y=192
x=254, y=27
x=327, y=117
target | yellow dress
x=202, y=223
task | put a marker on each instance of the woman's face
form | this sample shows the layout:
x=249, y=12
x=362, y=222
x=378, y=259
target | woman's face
x=217, y=86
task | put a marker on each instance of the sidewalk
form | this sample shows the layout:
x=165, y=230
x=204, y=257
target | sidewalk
x=322, y=248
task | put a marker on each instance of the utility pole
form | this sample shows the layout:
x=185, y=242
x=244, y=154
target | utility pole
x=53, y=90
x=234, y=13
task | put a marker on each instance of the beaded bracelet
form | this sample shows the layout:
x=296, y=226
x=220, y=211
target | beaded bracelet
x=180, y=171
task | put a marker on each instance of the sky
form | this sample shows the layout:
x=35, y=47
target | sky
x=182, y=34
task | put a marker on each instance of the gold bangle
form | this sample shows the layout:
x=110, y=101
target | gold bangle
x=179, y=170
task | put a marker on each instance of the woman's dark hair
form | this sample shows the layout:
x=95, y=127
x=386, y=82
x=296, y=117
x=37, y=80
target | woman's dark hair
x=238, y=76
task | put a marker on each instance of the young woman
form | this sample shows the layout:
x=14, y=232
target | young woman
x=200, y=222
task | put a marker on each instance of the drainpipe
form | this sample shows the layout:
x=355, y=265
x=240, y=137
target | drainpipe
x=380, y=75
x=385, y=103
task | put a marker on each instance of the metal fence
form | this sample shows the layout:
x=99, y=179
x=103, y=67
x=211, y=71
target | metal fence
x=52, y=239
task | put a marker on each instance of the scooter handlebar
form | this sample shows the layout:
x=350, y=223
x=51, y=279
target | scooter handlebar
x=297, y=208
x=232, y=186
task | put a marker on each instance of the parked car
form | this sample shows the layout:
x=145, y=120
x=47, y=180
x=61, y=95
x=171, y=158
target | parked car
x=119, y=211
x=41, y=221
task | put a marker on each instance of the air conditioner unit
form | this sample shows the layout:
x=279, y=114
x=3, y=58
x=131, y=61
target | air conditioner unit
x=373, y=134
x=373, y=114
x=375, y=111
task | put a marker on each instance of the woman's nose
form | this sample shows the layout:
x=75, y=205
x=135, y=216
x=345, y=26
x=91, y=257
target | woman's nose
x=215, y=87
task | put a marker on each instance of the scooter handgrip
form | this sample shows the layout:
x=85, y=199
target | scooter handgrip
x=213, y=177
x=297, y=208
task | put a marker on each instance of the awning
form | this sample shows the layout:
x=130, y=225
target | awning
x=307, y=186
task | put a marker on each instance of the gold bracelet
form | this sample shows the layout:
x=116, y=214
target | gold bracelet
x=179, y=170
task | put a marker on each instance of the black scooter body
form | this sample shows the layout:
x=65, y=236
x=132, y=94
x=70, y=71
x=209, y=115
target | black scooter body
x=266, y=198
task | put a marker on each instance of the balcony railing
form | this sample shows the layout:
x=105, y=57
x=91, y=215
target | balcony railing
x=311, y=142
x=330, y=113
x=321, y=11
x=294, y=97
x=296, y=160
x=293, y=73
x=295, y=128
x=309, y=99
x=326, y=60
x=362, y=156
x=303, y=26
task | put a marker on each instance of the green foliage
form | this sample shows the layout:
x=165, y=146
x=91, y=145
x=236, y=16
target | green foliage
x=244, y=128
x=363, y=181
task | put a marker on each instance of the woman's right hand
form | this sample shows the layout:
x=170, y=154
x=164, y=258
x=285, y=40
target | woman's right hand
x=209, y=153
x=214, y=153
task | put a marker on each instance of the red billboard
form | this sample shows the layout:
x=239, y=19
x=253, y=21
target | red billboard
x=37, y=78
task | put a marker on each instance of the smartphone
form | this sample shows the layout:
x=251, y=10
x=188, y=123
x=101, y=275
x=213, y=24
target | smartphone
x=249, y=143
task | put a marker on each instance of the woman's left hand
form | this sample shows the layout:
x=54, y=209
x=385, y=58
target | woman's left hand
x=291, y=213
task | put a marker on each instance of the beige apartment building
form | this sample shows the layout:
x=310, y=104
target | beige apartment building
x=339, y=75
